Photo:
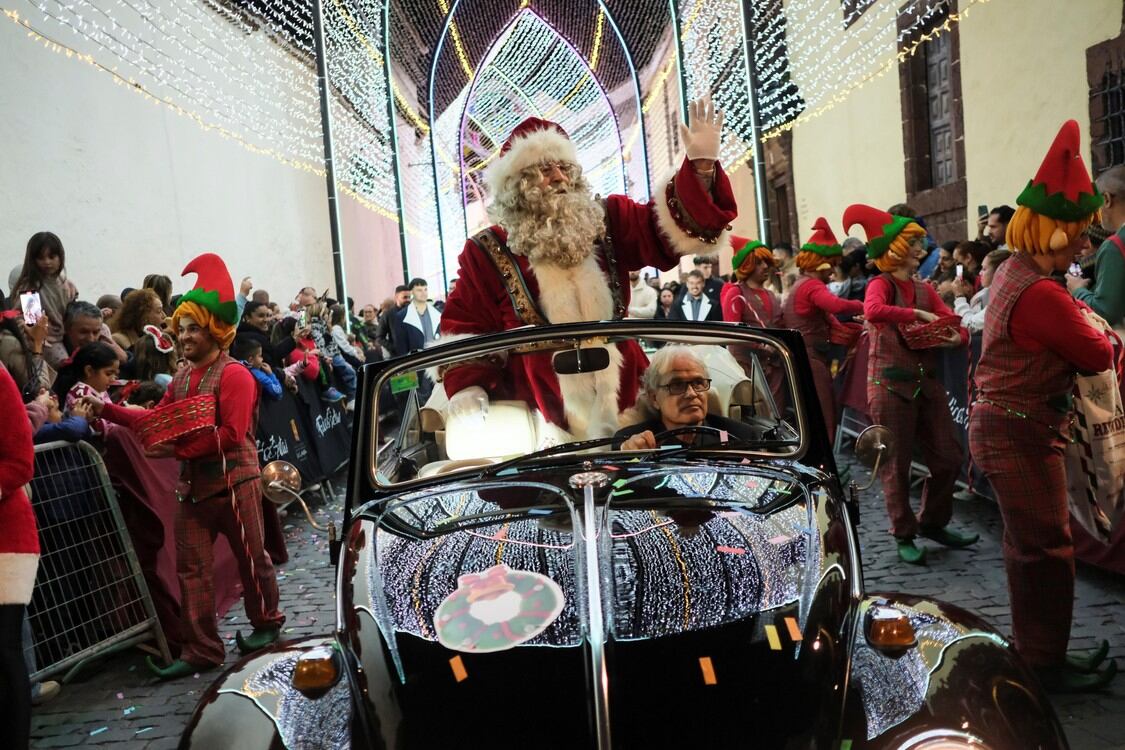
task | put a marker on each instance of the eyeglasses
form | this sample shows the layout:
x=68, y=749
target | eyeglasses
x=677, y=387
x=546, y=167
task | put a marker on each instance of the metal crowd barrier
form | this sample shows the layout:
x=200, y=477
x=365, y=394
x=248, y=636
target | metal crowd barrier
x=90, y=596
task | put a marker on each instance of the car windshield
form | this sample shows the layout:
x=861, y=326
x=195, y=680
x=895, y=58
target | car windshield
x=644, y=389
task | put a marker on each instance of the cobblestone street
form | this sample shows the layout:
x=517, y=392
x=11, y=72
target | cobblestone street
x=117, y=703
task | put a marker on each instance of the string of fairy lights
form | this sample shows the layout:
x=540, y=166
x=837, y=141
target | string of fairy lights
x=244, y=70
x=828, y=54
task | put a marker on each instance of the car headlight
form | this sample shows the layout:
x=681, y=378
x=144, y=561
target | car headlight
x=944, y=739
x=316, y=671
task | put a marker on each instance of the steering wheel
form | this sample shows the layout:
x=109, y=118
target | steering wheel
x=698, y=429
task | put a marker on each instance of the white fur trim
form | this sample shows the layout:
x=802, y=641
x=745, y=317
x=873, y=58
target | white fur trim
x=682, y=242
x=17, y=577
x=579, y=294
x=536, y=147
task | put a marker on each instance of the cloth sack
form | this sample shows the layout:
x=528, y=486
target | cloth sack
x=1095, y=458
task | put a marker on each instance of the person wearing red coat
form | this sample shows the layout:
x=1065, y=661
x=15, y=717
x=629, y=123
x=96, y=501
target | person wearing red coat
x=1036, y=338
x=749, y=302
x=19, y=561
x=558, y=255
x=812, y=309
x=903, y=390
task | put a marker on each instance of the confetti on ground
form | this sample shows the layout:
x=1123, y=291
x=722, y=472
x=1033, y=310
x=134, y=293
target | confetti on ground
x=620, y=493
x=121, y=696
x=730, y=550
x=140, y=731
x=129, y=710
x=99, y=730
x=196, y=675
x=620, y=483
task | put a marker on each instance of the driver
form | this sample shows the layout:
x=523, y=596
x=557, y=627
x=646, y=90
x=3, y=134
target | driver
x=675, y=389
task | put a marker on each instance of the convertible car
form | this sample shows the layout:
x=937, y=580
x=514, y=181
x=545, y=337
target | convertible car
x=503, y=582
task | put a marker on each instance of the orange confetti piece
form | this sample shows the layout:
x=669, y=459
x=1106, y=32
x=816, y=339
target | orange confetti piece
x=708, y=670
x=794, y=631
x=458, y=668
x=773, y=638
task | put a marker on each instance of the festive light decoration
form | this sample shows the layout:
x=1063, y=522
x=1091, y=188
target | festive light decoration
x=829, y=56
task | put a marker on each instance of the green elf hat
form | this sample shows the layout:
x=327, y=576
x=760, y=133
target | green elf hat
x=822, y=241
x=1062, y=188
x=881, y=227
x=213, y=288
x=743, y=248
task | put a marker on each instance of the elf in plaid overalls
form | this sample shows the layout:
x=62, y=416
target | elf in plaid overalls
x=1036, y=337
x=220, y=489
x=903, y=392
x=749, y=302
x=812, y=309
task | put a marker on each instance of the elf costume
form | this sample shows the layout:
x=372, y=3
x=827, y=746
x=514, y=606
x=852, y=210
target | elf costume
x=903, y=392
x=220, y=489
x=750, y=303
x=812, y=309
x=1036, y=338
x=499, y=289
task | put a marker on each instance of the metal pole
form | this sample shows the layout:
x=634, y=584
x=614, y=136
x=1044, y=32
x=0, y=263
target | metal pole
x=329, y=162
x=760, y=187
x=393, y=138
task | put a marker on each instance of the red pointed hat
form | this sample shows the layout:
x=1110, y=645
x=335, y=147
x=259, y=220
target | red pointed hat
x=1062, y=188
x=213, y=289
x=881, y=227
x=532, y=142
x=822, y=241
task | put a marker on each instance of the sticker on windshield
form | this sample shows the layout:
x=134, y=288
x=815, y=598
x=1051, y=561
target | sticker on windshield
x=407, y=381
x=497, y=609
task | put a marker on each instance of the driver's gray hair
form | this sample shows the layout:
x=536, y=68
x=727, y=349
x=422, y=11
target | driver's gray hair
x=661, y=363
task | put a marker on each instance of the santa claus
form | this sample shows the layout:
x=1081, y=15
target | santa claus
x=557, y=254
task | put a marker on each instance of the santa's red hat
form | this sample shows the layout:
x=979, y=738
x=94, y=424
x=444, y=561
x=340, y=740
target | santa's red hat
x=532, y=142
x=1062, y=188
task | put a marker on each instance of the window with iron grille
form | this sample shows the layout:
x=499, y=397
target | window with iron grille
x=1106, y=76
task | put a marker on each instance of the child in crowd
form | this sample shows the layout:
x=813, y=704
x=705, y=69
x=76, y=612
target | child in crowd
x=44, y=271
x=154, y=357
x=92, y=370
x=309, y=352
x=49, y=424
x=249, y=352
x=145, y=394
x=341, y=370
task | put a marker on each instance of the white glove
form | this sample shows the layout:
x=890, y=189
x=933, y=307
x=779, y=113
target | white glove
x=703, y=134
x=468, y=403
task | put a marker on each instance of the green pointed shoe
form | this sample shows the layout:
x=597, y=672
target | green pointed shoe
x=910, y=553
x=1087, y=661
x=178, y=668
x=1061, y=679
x=256, y=641
x=949, y=537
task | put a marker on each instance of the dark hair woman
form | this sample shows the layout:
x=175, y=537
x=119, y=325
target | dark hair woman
x=141, y=308
x=162, y=285
x=44, y=271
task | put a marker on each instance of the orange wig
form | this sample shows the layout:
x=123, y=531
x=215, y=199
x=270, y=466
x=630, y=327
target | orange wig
x=1037, y=234
x=220, y=330
x=747, y=266
x=899, y=249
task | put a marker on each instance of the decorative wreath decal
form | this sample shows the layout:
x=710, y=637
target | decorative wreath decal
x=497, y=609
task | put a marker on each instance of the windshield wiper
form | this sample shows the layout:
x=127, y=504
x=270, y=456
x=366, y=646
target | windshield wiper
x=494, y=469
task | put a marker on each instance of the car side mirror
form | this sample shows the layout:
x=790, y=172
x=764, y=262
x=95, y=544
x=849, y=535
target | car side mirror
x=870, y=448
x=575, y=361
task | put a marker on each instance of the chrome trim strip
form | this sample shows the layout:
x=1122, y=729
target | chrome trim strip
x=597, y=619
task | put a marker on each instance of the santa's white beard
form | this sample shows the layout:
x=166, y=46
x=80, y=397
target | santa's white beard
x=559, y=225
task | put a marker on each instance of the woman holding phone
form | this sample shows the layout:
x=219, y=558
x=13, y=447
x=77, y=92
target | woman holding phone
x=44, y=272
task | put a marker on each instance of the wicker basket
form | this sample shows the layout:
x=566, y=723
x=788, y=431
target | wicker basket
x=176, y=420
x=920, y=335
x=845, y=334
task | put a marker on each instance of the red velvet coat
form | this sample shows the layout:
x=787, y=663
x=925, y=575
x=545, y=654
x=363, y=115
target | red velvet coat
x=652, y=234
x=19, y=539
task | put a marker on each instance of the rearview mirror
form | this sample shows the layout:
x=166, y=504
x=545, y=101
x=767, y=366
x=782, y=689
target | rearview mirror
x=575, y=361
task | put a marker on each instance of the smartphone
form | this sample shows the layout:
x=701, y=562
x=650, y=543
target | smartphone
x=960, y=271
x=1074, y=270
x=32, y=307
x=303, y=318
x=982, y=211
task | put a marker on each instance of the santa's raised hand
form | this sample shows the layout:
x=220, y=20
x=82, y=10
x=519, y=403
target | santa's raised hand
x=702, y=134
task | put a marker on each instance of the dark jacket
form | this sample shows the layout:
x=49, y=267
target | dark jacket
x=273, y=353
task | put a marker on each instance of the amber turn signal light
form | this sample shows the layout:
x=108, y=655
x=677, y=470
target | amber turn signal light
x=889, y=629
x=316, y=671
